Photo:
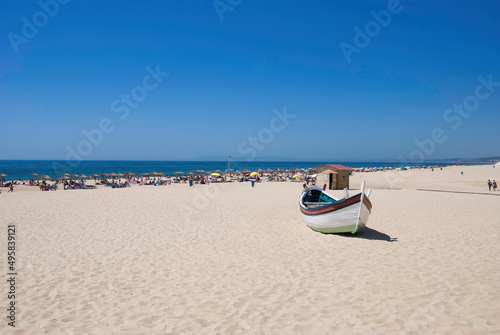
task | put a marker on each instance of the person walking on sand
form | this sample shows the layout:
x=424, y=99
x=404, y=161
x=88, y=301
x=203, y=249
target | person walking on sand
x=11, y=188
x=489, y=184
x=494, y=185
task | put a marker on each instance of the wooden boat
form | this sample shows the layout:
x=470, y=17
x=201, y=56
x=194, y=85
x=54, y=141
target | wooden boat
x=326, y=214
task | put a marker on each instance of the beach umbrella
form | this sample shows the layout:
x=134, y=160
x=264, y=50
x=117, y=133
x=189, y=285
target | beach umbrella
x=253, y=174
x=112, y=175
x=94, y=177
x=44, y=176
x=32, y=175
x=297, y=175
x=3, y=175
x=245, y=171
x=215, y=174
x=129, y=174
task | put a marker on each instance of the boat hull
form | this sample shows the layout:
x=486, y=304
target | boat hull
x=344, y=216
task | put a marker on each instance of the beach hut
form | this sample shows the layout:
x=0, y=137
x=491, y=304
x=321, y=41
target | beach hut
x=335, y=176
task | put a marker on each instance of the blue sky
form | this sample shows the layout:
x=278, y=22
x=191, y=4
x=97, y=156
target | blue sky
x=228, y=78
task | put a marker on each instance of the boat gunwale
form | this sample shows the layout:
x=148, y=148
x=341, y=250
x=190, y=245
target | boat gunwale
x=337, y=205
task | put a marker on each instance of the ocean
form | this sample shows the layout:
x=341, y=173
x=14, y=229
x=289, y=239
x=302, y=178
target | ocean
x=21, y=169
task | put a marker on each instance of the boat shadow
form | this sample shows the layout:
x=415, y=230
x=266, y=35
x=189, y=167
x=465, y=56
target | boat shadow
x=371, y=234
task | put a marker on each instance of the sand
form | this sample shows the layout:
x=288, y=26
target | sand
x=231, y=259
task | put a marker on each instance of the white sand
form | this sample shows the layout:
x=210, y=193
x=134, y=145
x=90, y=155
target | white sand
x=230, y=259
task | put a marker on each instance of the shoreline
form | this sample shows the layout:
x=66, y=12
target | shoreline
x=213, y=165
x=389, y=178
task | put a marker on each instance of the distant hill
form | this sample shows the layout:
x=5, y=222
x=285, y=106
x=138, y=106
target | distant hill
x=475, y=160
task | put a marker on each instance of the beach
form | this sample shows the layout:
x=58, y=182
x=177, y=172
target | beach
x=232, y=259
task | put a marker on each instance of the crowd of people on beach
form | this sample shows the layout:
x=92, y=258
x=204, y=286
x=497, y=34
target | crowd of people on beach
x=126, y=180
x=119, y=180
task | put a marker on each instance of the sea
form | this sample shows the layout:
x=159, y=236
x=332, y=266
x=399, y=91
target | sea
x=22, y=169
